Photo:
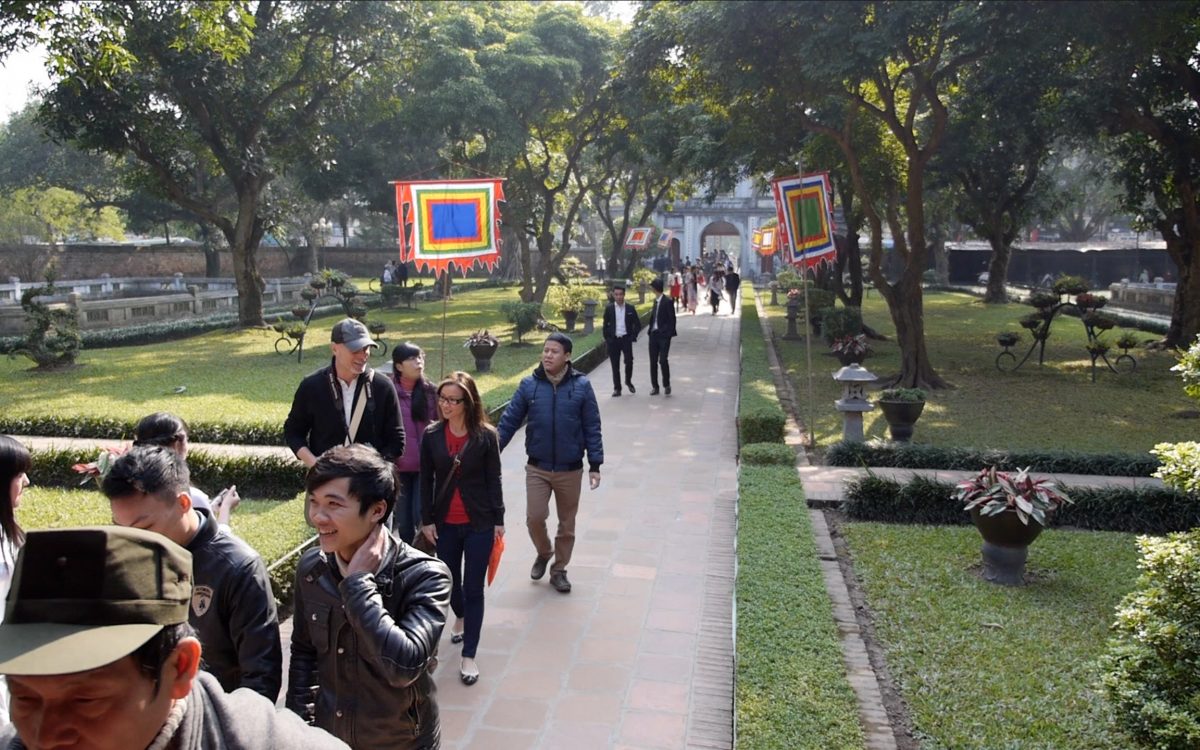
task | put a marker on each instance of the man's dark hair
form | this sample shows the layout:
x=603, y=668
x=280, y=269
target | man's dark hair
x=152, y=655
x=562, y=339
x=150, y=469
x=372, y=478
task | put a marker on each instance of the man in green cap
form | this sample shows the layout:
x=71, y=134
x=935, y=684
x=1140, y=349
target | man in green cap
x=98, y=653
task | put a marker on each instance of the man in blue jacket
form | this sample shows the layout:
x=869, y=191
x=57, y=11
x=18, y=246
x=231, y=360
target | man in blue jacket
x=564, y=422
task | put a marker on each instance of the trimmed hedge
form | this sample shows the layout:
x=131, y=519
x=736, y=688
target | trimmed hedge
x=910, y=456
x=246, y=433
x=768, y=454
x=269, y=477
x=760, y=418
x=1143, y=510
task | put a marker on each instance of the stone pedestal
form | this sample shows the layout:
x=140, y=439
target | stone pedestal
x=854, y=379
x=589, y=316
x=793, y=312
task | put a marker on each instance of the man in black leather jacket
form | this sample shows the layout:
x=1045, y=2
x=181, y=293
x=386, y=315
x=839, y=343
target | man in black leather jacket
x=369, y=611
x=232, y=607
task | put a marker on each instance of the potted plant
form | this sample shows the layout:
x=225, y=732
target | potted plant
x=1043, y=300
x=1010, y=511
x=901, y=408
x=568, y=298
x=850, y=349
x=1007, y=338
x=483, y=346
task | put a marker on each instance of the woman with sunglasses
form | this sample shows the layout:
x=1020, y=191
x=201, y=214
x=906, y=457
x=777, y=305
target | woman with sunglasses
x=462, y=504
x=14, y=463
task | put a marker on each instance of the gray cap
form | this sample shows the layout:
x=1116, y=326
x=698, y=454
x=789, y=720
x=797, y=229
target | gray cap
x=83, y=598
x=353, y=334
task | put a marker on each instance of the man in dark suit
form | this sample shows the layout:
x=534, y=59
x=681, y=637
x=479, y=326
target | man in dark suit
x=662, y=330
x=621, y=327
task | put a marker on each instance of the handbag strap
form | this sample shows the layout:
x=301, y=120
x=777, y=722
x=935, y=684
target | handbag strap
x=447, y=490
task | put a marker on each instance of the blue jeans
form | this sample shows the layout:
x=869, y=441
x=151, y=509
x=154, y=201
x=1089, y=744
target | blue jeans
x=406, y=516
x=466, y=551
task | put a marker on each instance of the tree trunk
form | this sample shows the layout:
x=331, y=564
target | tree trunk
x=1185, y=309
x=526, y=268
x=244, y=238
x=997, y=272
x=212, y=257
x=941, y=259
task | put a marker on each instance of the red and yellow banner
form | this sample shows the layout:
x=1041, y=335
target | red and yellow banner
x=449, y=222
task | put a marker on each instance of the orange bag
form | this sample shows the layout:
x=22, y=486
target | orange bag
x=494, y=562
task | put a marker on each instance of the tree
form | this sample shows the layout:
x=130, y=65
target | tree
x=1085, y=192
x=822, y=66
x=236, y=90
x=1139, y=79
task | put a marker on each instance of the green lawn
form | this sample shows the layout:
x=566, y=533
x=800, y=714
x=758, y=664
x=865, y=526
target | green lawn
x=271, y=527
x=1051, y=407
x=985, y=666
x=236, y=377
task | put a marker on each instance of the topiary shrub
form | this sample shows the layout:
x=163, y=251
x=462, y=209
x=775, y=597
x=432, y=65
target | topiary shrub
x=762, y=425
x=523, y=315
x=768, y=454
x=840, y=322
x=1152, y=668
x=52, y=338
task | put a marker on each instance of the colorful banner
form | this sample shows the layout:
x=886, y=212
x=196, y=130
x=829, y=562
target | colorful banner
x=449, y=222
x=638, y=238
x=765, y=241
x=805, y=213
x=665, y=237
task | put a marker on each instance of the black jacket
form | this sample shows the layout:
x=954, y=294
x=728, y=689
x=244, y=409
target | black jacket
x=478, y=478
x=666, y=318
x=318, y=421
x=633, y=324
x=233, y=611
x=363, y=648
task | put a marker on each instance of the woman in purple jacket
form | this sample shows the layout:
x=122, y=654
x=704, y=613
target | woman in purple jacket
x=417, y=401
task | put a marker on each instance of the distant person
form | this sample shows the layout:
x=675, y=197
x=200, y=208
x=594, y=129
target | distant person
x=400, y=274
x=620, y=330
x=346, y=402
x=99, y=654
x=564, y=422
x=369, y=610
x=716, y=289
x=233, y=607
x=418, y=408
x=732, y=281
x=676, y=288
x=15, y=462
x=463, y=513
x=386, y=276
x=601, y=266
x=661, y=329
x=1144, y=277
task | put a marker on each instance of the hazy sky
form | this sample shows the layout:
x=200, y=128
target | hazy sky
x=16, y=73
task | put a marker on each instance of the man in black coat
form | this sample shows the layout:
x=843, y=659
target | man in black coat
x=347, y=402
x=732, y=282
x=661, y=331
x=621, y=327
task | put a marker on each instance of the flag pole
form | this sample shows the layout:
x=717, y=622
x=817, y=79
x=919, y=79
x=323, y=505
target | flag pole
x=808, y=311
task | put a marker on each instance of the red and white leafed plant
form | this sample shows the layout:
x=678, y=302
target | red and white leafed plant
x=994, y=492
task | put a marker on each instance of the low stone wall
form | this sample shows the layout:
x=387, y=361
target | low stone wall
x=1157, y=297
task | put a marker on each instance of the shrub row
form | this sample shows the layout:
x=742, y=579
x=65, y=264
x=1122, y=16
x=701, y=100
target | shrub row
x=1142, y=510
x=910, y=456
x=760, y=418
x=263, y=477
x=246, y=433
x=768, y=454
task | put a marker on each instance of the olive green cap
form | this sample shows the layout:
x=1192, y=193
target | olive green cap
x=83, y=598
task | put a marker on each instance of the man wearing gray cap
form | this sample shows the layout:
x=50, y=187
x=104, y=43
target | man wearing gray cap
x=98, y=653
x=346, y=402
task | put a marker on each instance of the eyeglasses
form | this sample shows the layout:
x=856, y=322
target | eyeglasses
x=448, y=400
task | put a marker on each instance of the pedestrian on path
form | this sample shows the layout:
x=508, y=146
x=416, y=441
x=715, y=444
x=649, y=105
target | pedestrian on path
x=676, y=288
x=15, y=462
x=661, y=331
x=418, y=407
x=620, y=330
x=732, y=281
x=233, y=608
x=369, y=610
x=716, y=288
x=346, y=402
x=564, y=421
x=464, y=511
x=691, y=285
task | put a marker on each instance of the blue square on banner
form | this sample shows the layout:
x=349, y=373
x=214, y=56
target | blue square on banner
x=454, y=220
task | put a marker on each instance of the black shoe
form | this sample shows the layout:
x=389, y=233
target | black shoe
x=668, y=389
x=616, y=394
x=654, y=391
x=456, y=637
x=539, y=568
x=468, y=678
x=630, y=387
x=558, y=579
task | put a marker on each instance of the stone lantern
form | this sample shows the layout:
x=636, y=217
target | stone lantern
x=854, y=379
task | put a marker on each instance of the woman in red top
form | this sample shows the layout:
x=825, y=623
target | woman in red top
x=462, y=504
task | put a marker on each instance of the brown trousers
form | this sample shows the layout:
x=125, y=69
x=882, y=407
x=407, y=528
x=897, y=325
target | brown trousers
x=566, y=486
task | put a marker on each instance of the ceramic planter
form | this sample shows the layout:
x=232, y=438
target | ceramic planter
x=483, y=356
x=901, y=416
x=1005, y=545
